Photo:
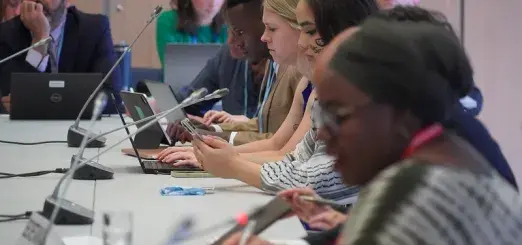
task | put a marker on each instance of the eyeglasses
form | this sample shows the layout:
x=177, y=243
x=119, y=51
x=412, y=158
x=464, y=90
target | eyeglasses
x=333, y=117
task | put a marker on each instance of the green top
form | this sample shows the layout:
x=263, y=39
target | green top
x=166, y=32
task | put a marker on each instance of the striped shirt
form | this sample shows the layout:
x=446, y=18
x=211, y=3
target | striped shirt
x=308, y=166
x=419, y=203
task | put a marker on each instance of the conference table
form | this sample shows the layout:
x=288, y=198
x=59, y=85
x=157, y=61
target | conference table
x=154, y=215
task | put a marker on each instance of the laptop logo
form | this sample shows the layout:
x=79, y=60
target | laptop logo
x=56, y=98
x=140, y=112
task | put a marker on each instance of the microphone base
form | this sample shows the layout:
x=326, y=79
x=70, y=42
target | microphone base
x=69, y=213
x=76, y=134
x=92, y=171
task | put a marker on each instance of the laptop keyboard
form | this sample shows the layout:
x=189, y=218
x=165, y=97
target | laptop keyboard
x=154, y=164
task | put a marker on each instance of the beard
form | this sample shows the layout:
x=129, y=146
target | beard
x=54, y=16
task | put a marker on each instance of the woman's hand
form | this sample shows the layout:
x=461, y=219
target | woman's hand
x=235, y=239
x=327, y=220
x=215, y=156
x=181, y=158
x=164, y=153
x=317, y=216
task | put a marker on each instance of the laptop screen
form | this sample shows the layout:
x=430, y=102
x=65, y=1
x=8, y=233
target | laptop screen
x=139, y=108
x=165, y=100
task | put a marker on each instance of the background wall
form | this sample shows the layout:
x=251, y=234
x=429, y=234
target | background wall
x=492, y=36
x=127, y=18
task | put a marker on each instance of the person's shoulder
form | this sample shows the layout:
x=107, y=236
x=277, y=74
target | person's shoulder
x=89, y=20
x=170, y=16
x=12, y=28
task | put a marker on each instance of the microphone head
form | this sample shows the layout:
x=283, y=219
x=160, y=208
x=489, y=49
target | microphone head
x=200, y=93
x=220, y=93
x=156, y=11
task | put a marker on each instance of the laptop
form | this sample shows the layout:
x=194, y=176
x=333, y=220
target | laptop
x=149, y=164
x=56, y=96
x=183, y=62
x=138, y=107
x=165, y=99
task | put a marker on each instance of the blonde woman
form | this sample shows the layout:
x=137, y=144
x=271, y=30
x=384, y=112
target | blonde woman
x=281, y=36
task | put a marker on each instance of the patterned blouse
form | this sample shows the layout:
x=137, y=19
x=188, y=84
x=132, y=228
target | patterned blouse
x=420, y=203
x=308, y=166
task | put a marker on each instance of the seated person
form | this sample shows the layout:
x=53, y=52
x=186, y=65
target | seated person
x=307, y=165
x=228, y=70
x=82, y=44
x=190, y=21
x=279, y=82
x=281, y=28
x=9, y=9
x=414, y=169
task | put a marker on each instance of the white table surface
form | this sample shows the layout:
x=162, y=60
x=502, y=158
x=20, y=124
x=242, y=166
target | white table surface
x=154, y=215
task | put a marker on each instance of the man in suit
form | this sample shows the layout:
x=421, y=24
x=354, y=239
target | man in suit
x=81, y=43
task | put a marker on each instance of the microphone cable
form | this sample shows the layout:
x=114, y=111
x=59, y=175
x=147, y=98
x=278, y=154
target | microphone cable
x=34, y=143
x=33, y=174
x=4, y=218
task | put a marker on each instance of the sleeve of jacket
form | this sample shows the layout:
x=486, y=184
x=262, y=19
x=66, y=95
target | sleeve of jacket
x=250, y=125
x=18, y=64
x=105, y=58
x=247, y=131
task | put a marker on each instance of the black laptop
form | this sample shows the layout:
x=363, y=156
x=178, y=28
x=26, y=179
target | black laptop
x=138, y=107
x=46, y=96
x=133, y=101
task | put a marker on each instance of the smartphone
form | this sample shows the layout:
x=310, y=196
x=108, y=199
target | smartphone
x=191, y=128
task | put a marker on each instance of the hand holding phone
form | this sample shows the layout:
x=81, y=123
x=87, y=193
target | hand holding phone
x=191, y=128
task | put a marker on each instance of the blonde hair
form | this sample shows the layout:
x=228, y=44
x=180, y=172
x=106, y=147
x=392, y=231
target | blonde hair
x=285, y=9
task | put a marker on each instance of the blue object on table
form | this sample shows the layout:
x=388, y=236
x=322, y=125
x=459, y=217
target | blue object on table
x=182, y=191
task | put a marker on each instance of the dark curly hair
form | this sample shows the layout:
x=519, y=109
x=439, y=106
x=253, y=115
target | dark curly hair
x=334, y=16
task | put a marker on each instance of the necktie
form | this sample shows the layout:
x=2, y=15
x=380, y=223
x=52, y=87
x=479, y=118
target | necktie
x=53, y=62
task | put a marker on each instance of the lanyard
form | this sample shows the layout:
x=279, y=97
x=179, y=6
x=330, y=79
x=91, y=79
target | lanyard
x=422, y=137
x=59, y=47
x=194, y=38
x=268, y=87
x=245, y=94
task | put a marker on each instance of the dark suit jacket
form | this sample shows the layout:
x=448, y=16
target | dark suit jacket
x=223, y=71
x=87, y=48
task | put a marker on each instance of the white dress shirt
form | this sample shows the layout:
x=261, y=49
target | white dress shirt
x=35, y=58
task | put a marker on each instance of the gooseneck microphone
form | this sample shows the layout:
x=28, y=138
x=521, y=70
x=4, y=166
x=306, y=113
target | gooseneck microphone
x=220, y=93
x=35, y=45
x=71, y=213
x=92, y=170
x=75, y=133
x=61, y=211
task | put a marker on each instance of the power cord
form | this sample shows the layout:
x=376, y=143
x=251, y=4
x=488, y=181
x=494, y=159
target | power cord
x=9, y=217
x=33, y=143
x=33, y=174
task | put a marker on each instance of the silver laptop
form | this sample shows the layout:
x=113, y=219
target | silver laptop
x=165, y=99
x=183, y=62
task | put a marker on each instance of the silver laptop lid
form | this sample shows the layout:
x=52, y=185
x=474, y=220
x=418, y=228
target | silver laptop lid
x=183, y=62
x=165, y=100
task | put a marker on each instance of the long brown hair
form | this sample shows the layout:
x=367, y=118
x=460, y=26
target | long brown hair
x=188, y=19
x=4, y=4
